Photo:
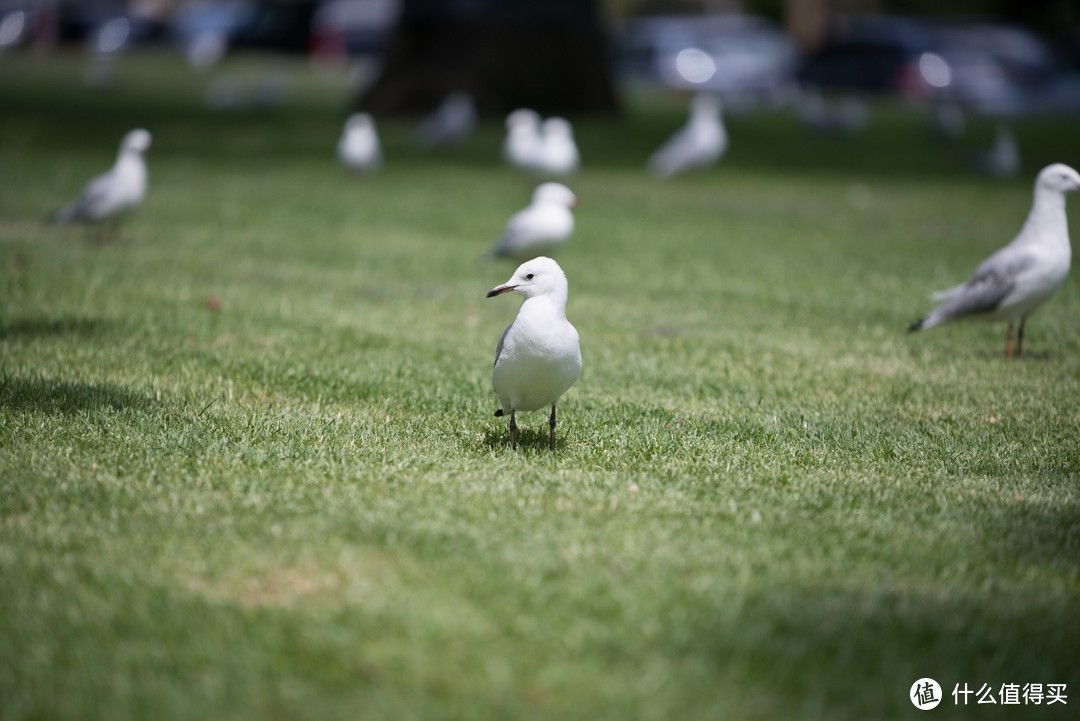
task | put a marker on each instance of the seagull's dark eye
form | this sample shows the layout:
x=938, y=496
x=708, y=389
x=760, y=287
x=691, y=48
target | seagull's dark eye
x=529, y=276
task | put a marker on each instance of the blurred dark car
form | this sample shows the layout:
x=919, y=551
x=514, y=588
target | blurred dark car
x=111, y=25
x=343, y=28
x=26, y=22
x=869, y=54
x=988, y=68
x=732, y=55
x=107, y=26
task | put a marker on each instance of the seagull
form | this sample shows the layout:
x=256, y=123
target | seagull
x=541, y=227
x=698, y=144
x=947, y=118
x=558, y=152
x=523, y=139
x=121, y=189
x=539, y=354
x=1002, y=158
x=1014, y=281
x=451, y=123
x=358, y=148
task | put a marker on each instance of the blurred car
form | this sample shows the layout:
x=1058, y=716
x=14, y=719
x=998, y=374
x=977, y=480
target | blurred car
x=206, y=30
x=24, y=22
x=987, y=68
x=731, y=55
x=343, y=28
x=108, y=26
x=869, y=54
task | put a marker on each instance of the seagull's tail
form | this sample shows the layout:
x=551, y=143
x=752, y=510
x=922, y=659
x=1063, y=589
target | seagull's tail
x=61, y=216
x=660, y=166
x=941, y=295
x=931, y=320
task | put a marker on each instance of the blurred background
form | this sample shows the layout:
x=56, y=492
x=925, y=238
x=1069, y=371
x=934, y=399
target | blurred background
x=993, y=57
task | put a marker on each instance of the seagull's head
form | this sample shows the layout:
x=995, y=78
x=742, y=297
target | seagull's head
x=523, y=118
x=359, y=121
x=1059, y=177
x=554, y=193
x=558, y=127
x=539, y=276
x=137, y=140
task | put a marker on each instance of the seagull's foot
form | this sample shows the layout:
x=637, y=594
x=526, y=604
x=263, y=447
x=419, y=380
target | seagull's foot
x=499, y=413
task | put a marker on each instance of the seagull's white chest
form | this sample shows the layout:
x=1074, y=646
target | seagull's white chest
x=359, y=149
x=1039, y=281
x=538, y=229
x=126, y=189
x=522, y=147
x=539, y=360
x=557, y=155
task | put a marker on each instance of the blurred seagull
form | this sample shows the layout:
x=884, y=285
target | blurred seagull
x=523, y=139
x=541, y=227
x=539, y=354
x=121, y=189
x=1002, y=158
x=359, y=148
x=451, y=123
x=698, y=144
x=558, y=152
x=947, y=118
x=1014, y=281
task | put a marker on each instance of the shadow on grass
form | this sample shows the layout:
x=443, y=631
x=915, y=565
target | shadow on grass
x=35, y=327
x=57, y=396
x=856, y=651
x=528, y=439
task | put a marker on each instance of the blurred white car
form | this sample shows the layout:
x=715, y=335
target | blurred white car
x=731, y=55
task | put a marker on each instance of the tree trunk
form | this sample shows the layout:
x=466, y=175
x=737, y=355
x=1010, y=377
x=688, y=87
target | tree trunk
x=548, y=55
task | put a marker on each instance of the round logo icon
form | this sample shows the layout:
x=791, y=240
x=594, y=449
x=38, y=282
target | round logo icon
x=925, y=694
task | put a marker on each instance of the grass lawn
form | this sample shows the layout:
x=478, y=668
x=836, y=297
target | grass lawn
x=249, y=467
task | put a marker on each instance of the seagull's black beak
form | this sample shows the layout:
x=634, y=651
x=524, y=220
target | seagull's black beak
x=499, y=290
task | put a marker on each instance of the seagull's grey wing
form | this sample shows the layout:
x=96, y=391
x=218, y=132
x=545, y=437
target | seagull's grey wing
x=95, y=192
x=517, y=231
x=989, y=285
x=670, y=157
x=502, y=340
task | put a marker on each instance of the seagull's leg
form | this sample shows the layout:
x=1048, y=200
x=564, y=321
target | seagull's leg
x=1009, y=340
x=1020, y=338
x=513, y=431
x=551, y=425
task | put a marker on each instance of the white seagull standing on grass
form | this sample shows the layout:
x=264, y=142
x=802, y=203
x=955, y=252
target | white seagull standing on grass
x=1002, y=158
x=121, y=189
x=698, y=144
x=541, y=227
x=1014, y=281
x=450, y=123
x=359, y=148
x=539, y=354
x=523, y=139
x=557, y=154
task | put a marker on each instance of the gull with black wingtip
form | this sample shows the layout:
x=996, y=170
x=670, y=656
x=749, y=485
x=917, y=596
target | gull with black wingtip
x=539, y=354
x=1013, y=282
